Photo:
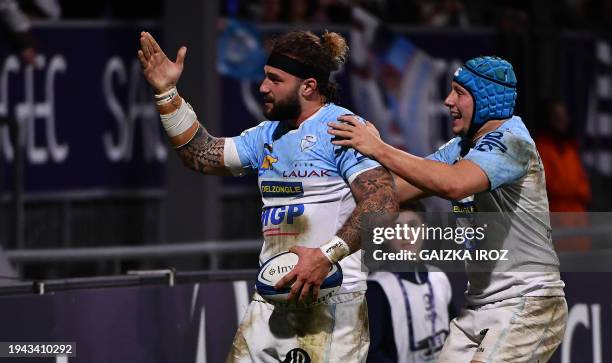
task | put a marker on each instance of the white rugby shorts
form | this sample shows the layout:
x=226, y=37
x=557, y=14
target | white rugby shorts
x=522, y=329
x=336, y=330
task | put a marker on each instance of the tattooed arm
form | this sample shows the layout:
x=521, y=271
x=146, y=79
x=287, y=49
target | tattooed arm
x=204, y=153
x=201, y=152
x=374, y=192
x=195, y=146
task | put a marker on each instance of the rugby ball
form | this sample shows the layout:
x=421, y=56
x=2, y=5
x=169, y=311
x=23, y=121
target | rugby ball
x=280, y=265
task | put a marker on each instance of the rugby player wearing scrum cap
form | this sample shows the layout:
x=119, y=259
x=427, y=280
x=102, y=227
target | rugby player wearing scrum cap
x=516, y=309
x=313, y=193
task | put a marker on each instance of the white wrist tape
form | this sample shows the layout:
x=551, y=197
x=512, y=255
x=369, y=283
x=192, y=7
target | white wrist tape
x=179, y=121
x=166, y=96
x=336, y=249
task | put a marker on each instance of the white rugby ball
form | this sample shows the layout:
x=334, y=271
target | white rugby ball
x=280, y=265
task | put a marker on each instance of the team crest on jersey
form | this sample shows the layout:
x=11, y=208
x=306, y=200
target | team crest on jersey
x=268, y=160
x=308, y=142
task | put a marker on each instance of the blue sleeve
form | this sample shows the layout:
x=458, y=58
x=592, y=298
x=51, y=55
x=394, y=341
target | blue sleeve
x=248, y=146
x=349, y=161
x=447, y=153
x=382, y=341
x=503, y=156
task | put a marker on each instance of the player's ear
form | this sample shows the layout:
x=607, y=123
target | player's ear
x=309, y=86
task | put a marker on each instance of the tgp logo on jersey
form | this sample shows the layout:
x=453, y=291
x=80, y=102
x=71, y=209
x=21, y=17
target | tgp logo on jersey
x=278, y=189
x=492, y=140
x=277, y=215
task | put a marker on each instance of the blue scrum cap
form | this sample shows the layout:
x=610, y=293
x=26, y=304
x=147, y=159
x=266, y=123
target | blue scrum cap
x=492, y=83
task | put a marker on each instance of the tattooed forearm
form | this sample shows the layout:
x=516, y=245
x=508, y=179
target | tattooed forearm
x=204, y=153
x=374, y=192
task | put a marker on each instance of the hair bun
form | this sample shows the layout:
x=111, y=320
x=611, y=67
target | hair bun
x=336, y=46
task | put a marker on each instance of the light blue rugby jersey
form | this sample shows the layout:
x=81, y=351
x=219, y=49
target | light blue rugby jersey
x=503, y=154
x=515, y=210
x=304, y=183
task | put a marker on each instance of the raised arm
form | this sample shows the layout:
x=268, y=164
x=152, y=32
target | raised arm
x=198, y=149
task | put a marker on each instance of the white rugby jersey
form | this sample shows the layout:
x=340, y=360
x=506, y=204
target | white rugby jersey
x=304, y=183
x=517, y=216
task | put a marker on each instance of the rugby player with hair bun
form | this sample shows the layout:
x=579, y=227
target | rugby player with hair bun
x=314, y=194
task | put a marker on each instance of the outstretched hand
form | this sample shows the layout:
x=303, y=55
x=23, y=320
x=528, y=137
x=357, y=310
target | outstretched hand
x=309, y=273
x=350, y=132
x=161, y=73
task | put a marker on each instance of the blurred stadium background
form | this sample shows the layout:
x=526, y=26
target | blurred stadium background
x=89, y=189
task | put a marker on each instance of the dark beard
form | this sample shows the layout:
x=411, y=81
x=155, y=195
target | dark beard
x=283, y=110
